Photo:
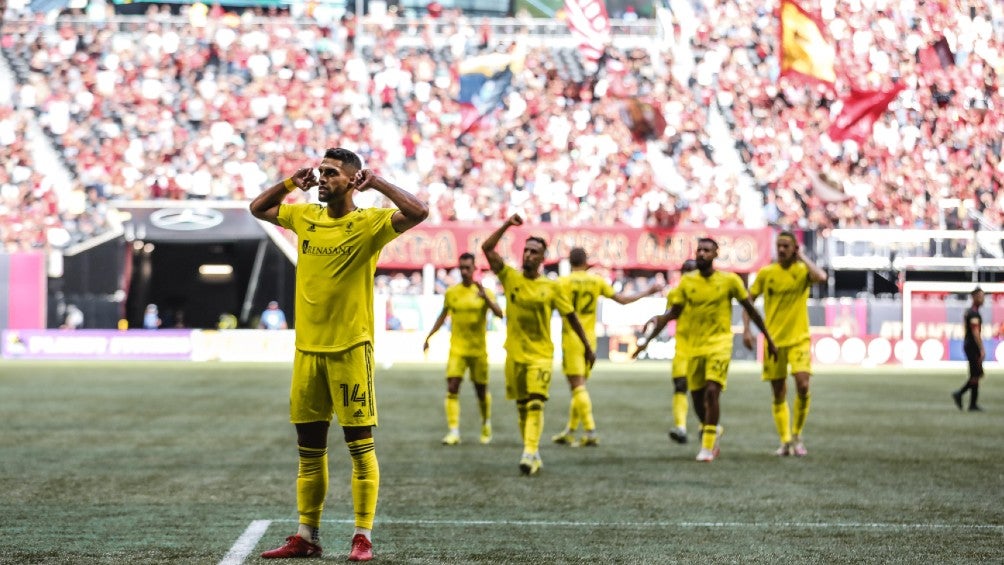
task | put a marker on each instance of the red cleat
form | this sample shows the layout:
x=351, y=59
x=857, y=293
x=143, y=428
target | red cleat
x=295, y=546
x=362, y=549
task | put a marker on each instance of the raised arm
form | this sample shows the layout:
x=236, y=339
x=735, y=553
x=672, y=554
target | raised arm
x=265, y=206
x=492, y=305
x=410, y=210
x=488, y=246
x=816, y=274
x=622, y=298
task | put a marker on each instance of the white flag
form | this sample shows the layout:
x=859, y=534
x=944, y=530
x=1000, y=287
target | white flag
x=589, y=22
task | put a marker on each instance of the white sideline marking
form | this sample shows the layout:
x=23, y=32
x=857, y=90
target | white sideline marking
x=244, y=544
x=735, y=525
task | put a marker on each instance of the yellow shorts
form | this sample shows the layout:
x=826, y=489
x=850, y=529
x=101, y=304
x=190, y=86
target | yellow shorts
x=573, y=360
x=680, y=363
x=457, y=365
x=524, y=379
x=339, y=384
x=712, y=367
x=797, y=356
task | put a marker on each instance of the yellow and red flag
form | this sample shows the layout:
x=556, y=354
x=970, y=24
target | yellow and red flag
x=806, y=52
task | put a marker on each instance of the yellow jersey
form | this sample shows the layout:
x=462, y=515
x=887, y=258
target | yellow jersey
x=469, y=319
x=584, y=289
x=336, y=263
x=529, y=303
x=785, y=301
x=708, y=301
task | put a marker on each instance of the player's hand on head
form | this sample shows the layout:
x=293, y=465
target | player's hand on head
x=304, y=178
x=362, y=179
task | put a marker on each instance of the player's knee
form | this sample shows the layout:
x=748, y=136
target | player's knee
x=356, y=433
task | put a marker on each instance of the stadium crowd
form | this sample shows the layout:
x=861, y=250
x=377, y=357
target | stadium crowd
x=219, y=107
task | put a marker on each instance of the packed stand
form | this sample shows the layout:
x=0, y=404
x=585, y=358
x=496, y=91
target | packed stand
x=156, y=109
x=940, y=139
x=36, y=216
x=219, y=107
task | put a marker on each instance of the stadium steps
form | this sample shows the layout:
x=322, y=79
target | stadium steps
x=39, y=143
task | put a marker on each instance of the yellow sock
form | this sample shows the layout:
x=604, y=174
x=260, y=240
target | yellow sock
x=580, y=397
x=534, y=426
x=485, y=406
x=801, y=413
x=782, y=420
x=709, y=436
x=573, y=415
x=681, y=404
x=521, y=412
x=452, y=406
x=312, y=485
x=365, y=481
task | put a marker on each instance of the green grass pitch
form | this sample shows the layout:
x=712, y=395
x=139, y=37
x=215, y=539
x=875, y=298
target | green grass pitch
x=172, y=463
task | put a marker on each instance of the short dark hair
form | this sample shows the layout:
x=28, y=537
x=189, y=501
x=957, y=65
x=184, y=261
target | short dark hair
x=345, y=156
x=468, y=256
x=577, y=257
x=539, y=240
x=708, y=240
x=688, y=265
x=975, y=290
x=787, y=233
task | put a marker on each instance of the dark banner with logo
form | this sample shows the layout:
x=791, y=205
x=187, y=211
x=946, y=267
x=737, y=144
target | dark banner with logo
x=190, y=222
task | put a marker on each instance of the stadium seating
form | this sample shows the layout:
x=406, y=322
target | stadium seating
x=221, y=111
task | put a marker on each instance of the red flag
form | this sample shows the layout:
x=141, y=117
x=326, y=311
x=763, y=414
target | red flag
x=806, y=53
x=588, y=21
x=861, y=110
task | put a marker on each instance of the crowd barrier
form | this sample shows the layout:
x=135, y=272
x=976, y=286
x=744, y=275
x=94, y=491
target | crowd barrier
x=406, y=347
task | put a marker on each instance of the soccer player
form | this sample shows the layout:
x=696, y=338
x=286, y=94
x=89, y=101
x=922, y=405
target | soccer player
x=972, y=345
x=467, y=303
x=678, y=432
x=708, y=294
x=530, y=300
x=333, y=364
x=584, y=289
x=785, y=284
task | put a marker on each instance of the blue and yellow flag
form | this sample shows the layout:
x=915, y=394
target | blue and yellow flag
x=484, y=82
